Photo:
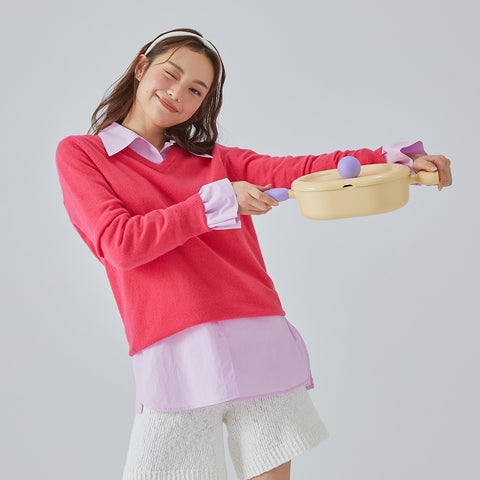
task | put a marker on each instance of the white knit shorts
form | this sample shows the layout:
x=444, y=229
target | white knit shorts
x=263, y=433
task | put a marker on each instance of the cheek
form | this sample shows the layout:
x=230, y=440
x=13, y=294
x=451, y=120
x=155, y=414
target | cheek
x=143, y=92
x=151, y=85
x=193, y=105
x=161, y=83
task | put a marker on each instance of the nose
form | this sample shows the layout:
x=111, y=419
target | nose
x=175, y=93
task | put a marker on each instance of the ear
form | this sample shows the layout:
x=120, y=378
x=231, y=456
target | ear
x=141, y=66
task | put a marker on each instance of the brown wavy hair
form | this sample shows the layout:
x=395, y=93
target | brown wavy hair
x=199, y=133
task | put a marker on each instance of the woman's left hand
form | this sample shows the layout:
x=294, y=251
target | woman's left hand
x=432, y=163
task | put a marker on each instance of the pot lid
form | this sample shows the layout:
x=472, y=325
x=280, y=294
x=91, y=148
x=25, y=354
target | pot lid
x=369, y=175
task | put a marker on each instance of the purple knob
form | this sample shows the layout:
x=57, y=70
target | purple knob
x=348, y=167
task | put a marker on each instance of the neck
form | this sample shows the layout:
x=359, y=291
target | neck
x=151, y=133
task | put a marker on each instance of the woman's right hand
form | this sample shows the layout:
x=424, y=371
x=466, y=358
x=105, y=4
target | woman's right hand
x=251, y=199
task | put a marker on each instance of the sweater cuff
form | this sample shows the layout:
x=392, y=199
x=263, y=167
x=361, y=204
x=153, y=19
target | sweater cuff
x=397, y=153
x=221, y=207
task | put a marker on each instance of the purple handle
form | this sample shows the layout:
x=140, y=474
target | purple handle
x=279, y=194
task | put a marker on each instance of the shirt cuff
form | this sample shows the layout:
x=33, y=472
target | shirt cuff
x=221, y=206
x=397, y=153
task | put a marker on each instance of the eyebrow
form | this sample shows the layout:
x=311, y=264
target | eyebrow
x=180, y=69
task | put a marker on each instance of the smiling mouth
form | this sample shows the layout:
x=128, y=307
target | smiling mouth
x=167, y=105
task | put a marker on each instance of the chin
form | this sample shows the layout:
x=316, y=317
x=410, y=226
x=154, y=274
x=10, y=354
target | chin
x=162, y=123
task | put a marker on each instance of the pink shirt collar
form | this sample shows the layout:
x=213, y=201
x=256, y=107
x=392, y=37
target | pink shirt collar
x=116, y=137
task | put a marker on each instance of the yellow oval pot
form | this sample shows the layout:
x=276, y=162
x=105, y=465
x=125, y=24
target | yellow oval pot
x=379, y=188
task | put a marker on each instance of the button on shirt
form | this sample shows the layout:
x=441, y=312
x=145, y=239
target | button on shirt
x=229, y=360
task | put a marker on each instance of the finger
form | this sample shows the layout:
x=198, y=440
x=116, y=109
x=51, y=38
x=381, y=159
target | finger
x=258, y=205
x=425, y=163
x=257, y=212
x=438, y=163
x=266, y=199
x=444, y=172
x=435, y=162
x=252, y=210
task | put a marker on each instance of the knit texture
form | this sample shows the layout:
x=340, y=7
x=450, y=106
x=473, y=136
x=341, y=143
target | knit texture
x=263, y=433
x=146, y=224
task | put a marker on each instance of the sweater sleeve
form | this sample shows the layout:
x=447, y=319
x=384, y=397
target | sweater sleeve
x=114, y=235
x=246, y=165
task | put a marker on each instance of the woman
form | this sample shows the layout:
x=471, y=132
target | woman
x=166, y=209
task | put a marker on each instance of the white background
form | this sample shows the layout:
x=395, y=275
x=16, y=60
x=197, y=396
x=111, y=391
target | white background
x=387, y=305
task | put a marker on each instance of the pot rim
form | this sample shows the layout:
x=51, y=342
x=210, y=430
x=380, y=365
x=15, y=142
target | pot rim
x=372, y=174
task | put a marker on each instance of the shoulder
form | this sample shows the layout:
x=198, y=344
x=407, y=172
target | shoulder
x=80, y=153
x=75, y=146
x=223, y=150
x=237, y=154
x=79, y=141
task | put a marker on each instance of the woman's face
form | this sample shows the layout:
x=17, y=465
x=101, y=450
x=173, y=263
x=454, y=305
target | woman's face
x=170, y=91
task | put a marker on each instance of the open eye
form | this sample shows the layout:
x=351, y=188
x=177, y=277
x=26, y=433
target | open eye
x=195, y=92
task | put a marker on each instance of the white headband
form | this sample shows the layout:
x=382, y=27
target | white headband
x=180, y=33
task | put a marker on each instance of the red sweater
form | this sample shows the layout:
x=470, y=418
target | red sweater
x=146, y=223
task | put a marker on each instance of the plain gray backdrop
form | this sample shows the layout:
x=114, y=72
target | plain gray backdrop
x=387, y=304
